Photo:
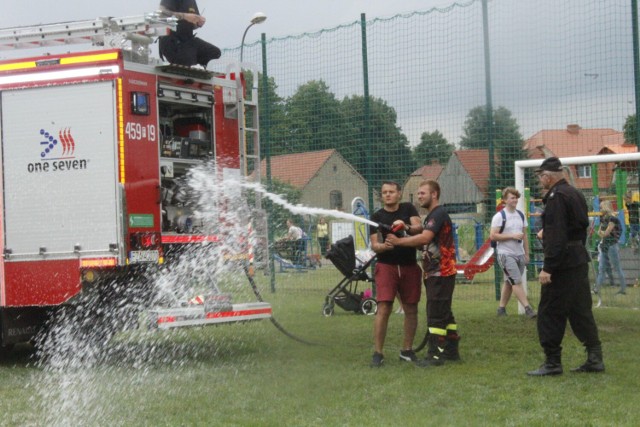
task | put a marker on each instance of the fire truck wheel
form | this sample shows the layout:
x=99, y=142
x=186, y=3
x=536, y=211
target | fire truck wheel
x=369, y=306
x=5, y=349
x=327, y=310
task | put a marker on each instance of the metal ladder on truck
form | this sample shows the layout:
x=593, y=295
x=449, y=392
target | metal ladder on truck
x=249, y=148
x=133, y=34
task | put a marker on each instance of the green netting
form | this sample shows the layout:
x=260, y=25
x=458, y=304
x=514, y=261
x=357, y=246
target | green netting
x=558, y=77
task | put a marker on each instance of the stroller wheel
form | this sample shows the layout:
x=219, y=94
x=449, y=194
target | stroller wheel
x=327, y=310
x=369, y=306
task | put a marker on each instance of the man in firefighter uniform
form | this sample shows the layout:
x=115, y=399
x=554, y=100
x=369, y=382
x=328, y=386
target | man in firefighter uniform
x=182, y=47
x=564, y=280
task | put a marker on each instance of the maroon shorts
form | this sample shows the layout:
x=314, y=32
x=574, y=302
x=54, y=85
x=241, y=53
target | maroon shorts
x=405, y=280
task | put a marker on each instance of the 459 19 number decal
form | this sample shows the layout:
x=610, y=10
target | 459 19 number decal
x=137, y=132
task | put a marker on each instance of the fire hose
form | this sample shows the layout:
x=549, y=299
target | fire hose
x=395, y=229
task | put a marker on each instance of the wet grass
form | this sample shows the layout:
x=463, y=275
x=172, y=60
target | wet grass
x=251, y=374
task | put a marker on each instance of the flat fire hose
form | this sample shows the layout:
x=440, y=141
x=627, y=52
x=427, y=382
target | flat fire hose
x=278, y=326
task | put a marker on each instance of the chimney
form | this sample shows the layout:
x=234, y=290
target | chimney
x=573, y=129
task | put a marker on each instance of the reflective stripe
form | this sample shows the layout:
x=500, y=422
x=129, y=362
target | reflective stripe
x=438, y=331
x=452, y=327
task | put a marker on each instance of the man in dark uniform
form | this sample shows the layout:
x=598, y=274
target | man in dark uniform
x=564, y=280
x=440, y=272
x=182, y=47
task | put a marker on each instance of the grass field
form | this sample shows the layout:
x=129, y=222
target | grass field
x=253, y=375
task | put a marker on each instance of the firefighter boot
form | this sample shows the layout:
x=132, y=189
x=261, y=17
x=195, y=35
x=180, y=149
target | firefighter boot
x=594, y=361
x=451, y=347
x=435, y=352
x=551, y=366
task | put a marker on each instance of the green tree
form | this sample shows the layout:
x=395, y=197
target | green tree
x=630, y=130
x=272, y=115
x=386, y=147
x=433, y=147
x=507, y=140
x=315, y=121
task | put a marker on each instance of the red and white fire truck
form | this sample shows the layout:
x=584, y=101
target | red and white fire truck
x=91, y=143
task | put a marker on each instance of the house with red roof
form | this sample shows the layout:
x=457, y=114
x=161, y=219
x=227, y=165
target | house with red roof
x=325, y=178
x=574, y=142
x=464, y=181
x=410, y=186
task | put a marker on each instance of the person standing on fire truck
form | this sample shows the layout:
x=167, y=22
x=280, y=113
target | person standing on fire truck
x=182, y=47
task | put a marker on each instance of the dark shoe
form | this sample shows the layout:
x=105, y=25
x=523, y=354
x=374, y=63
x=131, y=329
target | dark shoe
x=451, y=345
x=435, y=352
x=529, y=312
x=546, y=369
x=408, y=356
x=621, y=293
x=501, y=312
x=377, y=360
x=589, y=367
x=429, y=361
x=594, y=361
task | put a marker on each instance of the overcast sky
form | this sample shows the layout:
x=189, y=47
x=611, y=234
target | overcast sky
x=226, y=21
x=553, y=62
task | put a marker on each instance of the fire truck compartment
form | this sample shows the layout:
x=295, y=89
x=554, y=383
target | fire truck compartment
x=60, y=171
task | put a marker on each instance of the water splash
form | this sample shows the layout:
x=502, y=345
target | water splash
x=84, y=348
x=305, y=210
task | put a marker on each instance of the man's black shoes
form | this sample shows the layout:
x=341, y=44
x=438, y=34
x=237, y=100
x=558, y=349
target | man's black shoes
x=377, y=360
x=546, y=369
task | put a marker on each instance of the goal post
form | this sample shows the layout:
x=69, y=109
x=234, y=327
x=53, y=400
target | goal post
x=522, y=165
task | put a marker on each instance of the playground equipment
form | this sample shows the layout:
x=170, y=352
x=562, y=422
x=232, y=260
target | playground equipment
x=631, y=269
x=481, y=260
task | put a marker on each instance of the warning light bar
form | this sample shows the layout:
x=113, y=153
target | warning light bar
x=98, y=262
x=59, y=75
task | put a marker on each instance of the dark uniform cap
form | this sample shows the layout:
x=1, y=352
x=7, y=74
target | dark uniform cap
x=550, y=164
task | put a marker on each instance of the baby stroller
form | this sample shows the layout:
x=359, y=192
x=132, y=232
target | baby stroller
x=343, y=255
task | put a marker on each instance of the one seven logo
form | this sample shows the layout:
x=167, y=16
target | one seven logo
x=50, y=142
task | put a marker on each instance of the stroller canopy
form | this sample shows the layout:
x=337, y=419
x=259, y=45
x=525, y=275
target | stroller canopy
x=343, y=255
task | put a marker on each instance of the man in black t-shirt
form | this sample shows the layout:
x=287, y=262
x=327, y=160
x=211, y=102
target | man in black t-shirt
x=396, y=271
x=181, y=47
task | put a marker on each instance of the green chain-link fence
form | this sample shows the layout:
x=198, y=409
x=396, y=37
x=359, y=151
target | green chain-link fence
x=407, y=98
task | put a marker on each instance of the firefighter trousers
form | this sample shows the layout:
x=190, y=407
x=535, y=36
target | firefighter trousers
x=567, y=297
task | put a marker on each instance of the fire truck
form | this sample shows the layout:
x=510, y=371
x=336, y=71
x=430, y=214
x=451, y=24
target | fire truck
x=93, y=146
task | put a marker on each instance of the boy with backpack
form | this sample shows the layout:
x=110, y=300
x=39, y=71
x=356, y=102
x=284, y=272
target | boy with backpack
x=508, y=231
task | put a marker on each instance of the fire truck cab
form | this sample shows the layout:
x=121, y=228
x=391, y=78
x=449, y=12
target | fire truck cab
x=94, y=146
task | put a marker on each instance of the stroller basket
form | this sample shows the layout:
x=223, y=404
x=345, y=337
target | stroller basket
x=345, y=294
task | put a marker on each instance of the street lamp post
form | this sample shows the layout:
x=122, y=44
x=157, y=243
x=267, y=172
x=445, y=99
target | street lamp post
x=258, y=18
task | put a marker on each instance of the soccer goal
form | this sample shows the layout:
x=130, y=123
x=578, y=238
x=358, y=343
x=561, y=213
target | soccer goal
x=600, y=177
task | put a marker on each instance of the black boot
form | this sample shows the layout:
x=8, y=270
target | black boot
x=551, y=366
x=435, y=352
x=451, y=347
x=594, y=361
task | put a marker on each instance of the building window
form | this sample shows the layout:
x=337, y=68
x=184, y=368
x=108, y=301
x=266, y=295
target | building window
x=335, y=199
x=584, y=171
x=335, y=168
